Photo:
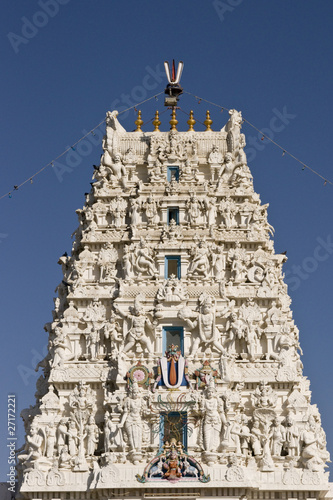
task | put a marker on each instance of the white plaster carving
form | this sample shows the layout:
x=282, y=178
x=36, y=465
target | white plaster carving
x=214, y=422
x=242, y=399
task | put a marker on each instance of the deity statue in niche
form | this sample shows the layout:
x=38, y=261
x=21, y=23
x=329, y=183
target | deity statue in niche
x=200, y=264
x=206, y=322
x=139, y=321
x=132, y=421
x=215, y=157
x=214, y=421
x=151, y=207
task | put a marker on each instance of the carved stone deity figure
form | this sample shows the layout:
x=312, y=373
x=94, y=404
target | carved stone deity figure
x=93, y=343
x=314, y=453
x=50, y=433
x=82, y=404
x=151, y=207
x=157, y=173
x=118, y=207
x=194, y=208
x=131, y=418
x=142, y=260
x=274, y=315
x=218, y=262
x=228, y=210
x=72, y=438
x=75, y=279
x=106, y=261
x=118, y=171
x=62, y=433
x=292, y=437
x=112, y=334
x=233, y=128
x=101, y=175
x=256, y=437
x=65, y=459
x=215, y=157
x=161, y=153
x=287, y=354
x=236, y=329
x=267, y=462
x=227, y=169
x=134, y=212
x=211, y=211
x=32, y=448
x=127, y=262
x=200, y=264
x=94, y=312
x=238, y=263
x=175, y=150
x=235, y=433
x=250, y=313
x=171, y=291
x=241, y=177
x=92, y=435
x=171, y=232
x=214, y=422
x=112, y=434
x=245, y=436
x=259, y=219
x=261, y=439
x=264, y=396
x=278, y=437
x=189, y=172
x=246, y=211
x=129, y=157
x=139, y=321
x=252, y=340
x=60, y=348
x=206, y=322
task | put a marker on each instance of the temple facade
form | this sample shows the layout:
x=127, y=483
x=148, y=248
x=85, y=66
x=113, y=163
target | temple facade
x=173, y=366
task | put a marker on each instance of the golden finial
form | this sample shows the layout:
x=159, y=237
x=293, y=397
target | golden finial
x=138, y=122
x=208, y=122
x=156, y=122
x=173, y=122
x=191, y=122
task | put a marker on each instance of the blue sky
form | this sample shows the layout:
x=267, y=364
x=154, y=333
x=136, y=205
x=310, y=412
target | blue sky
x=64, y=68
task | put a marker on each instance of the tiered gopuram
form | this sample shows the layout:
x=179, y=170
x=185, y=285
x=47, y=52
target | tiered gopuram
x=174, y=365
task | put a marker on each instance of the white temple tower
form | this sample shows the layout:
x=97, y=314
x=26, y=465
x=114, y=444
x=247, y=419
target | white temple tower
x=173, y=368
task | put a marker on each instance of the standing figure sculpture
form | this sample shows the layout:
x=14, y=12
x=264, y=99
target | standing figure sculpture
x=139, y=321
x=92, y=436
x=151, y=208
x=214, y=422
x=131, y=420
x=208, y=332
x=194, y=208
